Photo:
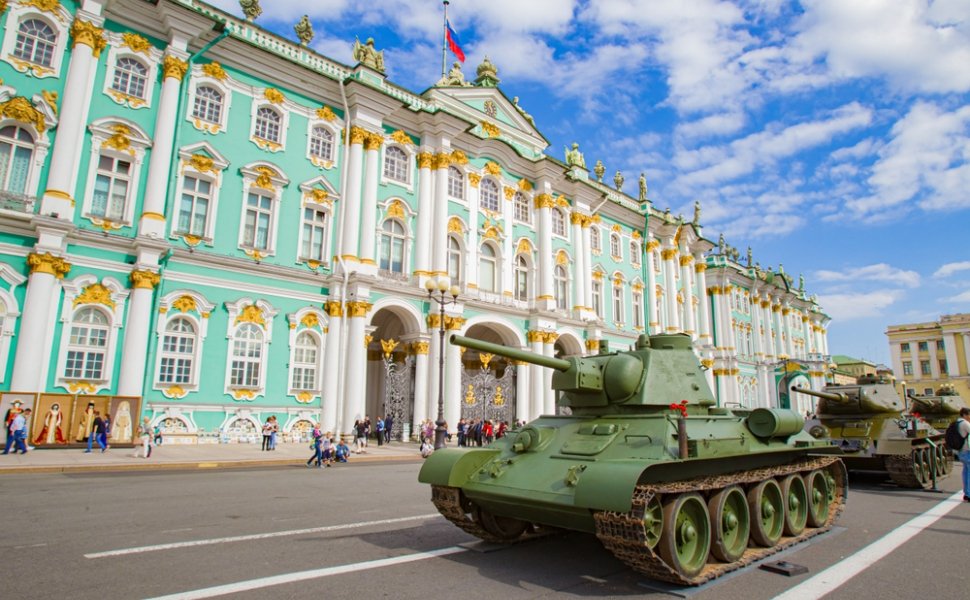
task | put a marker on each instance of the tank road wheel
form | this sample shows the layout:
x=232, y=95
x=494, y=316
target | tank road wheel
x=653, y=521
x=767, y=513
x=507, y=529
x=817, y=490
x=730, y=524
x=921, y=464
x=686, y=538
x=942, y=461
x=796, y=504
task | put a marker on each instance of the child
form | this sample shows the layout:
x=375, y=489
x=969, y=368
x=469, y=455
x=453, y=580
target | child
x=426, y=448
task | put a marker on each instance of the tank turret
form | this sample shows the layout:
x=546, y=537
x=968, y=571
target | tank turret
x=638, y=452
x=939, y=409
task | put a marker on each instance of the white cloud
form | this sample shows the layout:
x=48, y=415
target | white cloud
x=951, y=268
x=720, y=124
x=877, y=272
x=846, y=307
x=959, y=298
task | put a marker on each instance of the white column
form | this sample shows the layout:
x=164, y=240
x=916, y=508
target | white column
x=522, y=386
x=368, y=217
x=423, y=240
x=545, y=297
x=356, y=380
x=587, y=272
x=351, y=199
x=670, y=289
x=152, y=221
x=471, y=256
x=950, y=350
x=769, y=344
x=789, y=332
x=439, y=260
x=434, y=366
x=33, y=351
x=508, y=250
x=703, y=307
x=421, y=374
x=756, y=328
x=966, y=354
x=686, y=260
x=135, y=346
x=548, y=394
x=536, y=398
x=68, y=143
x=776, y=326
x=331, y=368
x=453, y=367
x=579, y=266
x=653, y=324
x=806, y=335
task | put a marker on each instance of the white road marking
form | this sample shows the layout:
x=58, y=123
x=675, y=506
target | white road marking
x=256, y=536
x=255, y=584
x=832, y=578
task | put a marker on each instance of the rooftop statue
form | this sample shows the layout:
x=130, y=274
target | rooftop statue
x=697, y=213
x=369, y=56
x=304, y=31
x=618, y=180
x=527, y=116
x=750, y=256
x=251, y=9
x=600, y=170
x=574, y=158
x=643, y=187
x=801, y=282
x=454, y=77
x=487, y=74
x=721, y=245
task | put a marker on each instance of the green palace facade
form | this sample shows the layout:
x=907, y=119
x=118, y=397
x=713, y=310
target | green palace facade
x=205, y=224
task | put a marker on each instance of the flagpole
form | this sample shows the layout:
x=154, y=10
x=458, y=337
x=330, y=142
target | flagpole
x=444, y=40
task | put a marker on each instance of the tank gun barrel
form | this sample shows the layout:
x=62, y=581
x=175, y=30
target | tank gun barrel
x=513, y=353
x=839, y=397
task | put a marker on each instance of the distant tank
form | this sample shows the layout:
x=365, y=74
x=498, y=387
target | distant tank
x=937, y=410
x=674, y=486
x=867, y=423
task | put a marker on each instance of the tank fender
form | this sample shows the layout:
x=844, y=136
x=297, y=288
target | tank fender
x=608, y=486
x=453, y=467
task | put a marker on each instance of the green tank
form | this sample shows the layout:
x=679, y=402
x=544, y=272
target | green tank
x=673, y=485
x=938, y=410
x=867, y=422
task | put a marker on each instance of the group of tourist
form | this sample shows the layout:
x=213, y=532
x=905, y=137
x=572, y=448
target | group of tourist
x=325, y=451
x=382, y=430
x=478, y=432
x=270, y=428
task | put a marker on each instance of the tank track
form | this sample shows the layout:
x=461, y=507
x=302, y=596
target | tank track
x=624, y=536
x=902, y=472
x=448, y=501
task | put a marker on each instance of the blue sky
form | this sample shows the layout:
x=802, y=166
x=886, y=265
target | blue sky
x=832, y=136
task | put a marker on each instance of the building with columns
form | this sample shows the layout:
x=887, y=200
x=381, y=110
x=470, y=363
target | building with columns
x=928, y=355
x=206, y=224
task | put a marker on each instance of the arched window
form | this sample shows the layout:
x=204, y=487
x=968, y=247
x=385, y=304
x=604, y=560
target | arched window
x=488, y=268
x=558, y=222
x=392, y=246
x=16, y=152
x=594, y=239
x=616, y=250
x=178, y=352
x=321, y=143
x=521, y=278
x=635, y=253
x=456, y=183
x=489, y=195
x=305, y=360
x=561, y=287
x=87, y=346
x=247, y=353
x=454, y=259
x=523, y=211
x=395, y=164
x=130, y=77
x=268, y=125
x=208, y=104
x=35, y=42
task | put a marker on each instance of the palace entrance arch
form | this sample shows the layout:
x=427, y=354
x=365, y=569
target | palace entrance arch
x=488, y=381
x=393, y=333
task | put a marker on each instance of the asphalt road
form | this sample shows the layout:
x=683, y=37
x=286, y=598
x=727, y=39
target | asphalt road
x=359, y=531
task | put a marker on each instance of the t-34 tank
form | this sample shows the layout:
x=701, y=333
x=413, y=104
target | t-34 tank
x=937, y=410
x=676, y=487
x=866, y=422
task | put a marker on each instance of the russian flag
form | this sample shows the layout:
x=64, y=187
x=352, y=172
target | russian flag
x=453, y=43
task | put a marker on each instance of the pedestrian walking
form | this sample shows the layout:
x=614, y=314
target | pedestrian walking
x=92, y=435
x=380, y=430
x=103, y=440
x=328, y=448
x=388, y=426
x=144, y=438
x=317, y=447
x=17, y=433
x=963, y=455
x=360, y=436
x=98, y=432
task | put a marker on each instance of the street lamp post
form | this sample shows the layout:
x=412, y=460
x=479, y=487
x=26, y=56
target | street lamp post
x=438, y=290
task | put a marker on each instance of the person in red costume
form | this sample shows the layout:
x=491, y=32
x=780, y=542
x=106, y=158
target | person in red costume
x=51, y=433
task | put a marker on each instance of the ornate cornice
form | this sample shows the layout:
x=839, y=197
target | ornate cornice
x=88, y=34
x=144, y=279
x=49, y=264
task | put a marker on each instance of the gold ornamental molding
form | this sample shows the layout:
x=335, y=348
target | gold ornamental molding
x=592, y=345
x=184, y=304
x=562, y=258
x=358, y=135
x=474, y=179
x=326, y=113
x=81, y=386
x=434, y=321
x=243, y=394
x=251, y=314
x=419, y=347
x=215, y=71
x=534, y=335
x=458, y=157
x=88, y=34
x=144, y=279
x=785, y=311
x=20, y=109
x=387, y=347
x=686, y=260
x=544, y=201
x=714, y=290
x=509, y=192
x=95, y=293
x=668, y=254
x=493, y=168
x=550, y=337
x=454, y=323
x=175, y=391
x=396, y=210
x=424, y=160
x=274, y=95
x=334, y=308
x=48, y=6
x=524, y=247
x=264, y=178
x=201, y=163
x=776, y=308
x=402, y=138
x=455, y=226
x=49, y=264
x=358, y=309
x=135, y=43
x=700, y=267
x=310, y=320
x=491, y=129
x=524, y=185
x=652, y=245
x=304, y=397
x=373, y=141
x=765, y=304
x=441, y=160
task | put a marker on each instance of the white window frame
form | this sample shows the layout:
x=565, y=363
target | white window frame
x=102, y=144
x=597, y=297
x=174, y=306
x=616, y=246
x=263, y=143
x=200, y=79
x=525, y=270
x=458, y=253
x=519, y=201
x=409, y=159
x=462, y=195
x=498, y=194
x=326, y=226
x=277, y=181
x=213, y=174
x=11, y=314
x=150, y=59
x=497, y=277
x=237, y=310
x=405, y=246
x=635, y=253
x=561, y=287
x=323, y=162
x=320, y=202
x=60, y=21
x=558, y=216
x=316, y=365
x=38, y=156
x=619, y=310
x=118, y=295
x=638, y=316
x=317, y=328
